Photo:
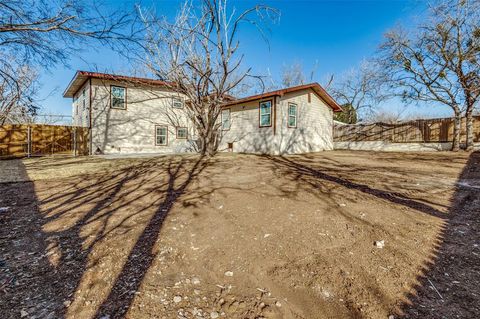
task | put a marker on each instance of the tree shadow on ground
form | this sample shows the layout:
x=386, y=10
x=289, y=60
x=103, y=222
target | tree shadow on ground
x=55, y=234
x=141, y=256
x=23, y=256
x=48, y=253
x=300, y=170
x=450, y=286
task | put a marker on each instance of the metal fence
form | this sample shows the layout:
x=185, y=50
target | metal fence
x=25, y=140
x=418, y=131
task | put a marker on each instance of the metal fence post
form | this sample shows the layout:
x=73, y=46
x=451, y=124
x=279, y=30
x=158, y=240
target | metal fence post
x=29, y=141
x=75, y=141
x=53, y=139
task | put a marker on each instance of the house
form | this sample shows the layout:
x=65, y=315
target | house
x=130, y=114
x=294, y=120
x=139, y=115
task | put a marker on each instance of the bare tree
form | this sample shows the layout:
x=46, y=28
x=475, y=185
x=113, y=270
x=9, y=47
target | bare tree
x=386, y=116
x=293, y=74
x=439, y=62
x=198, y=55
x=457, y=23
x=16, y=102
x=38, y=34
x=358, y=89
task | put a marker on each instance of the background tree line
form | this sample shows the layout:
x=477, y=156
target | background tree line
x=436, y=62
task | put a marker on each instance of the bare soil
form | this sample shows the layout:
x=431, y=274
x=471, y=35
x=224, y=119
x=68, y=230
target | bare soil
x=241, y=236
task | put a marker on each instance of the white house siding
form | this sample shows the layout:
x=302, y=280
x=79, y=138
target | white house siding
x=313, y=132
x=133, y=130
x=80, y=106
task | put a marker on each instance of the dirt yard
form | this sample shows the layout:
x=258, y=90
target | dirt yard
x=241, y=236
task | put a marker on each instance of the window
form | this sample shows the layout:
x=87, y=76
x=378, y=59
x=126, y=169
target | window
x=84, y=99
x=182, y=132
x=292, y=115
x=265, y=113
x=74, y=106
x=118, y=97
x=161, y=135
x=225, y=118
x=177, y=102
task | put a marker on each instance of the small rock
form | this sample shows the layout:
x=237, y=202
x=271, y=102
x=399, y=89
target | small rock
x=278, y=304
x=391, y=317
x=4, y=209
x=177, y=299
x=195, y=281
x=229, y=273
x=342, y=205
x=23, y=313
x=197, y=311
x=266, y=235
x=326, y=293
x=213, y=314
x=379, y=243
x=220, y=207
x=67, y=303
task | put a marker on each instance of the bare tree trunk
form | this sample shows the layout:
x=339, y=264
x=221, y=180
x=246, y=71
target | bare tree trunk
x=469, y=131
x=456, y=131
x=208, y=140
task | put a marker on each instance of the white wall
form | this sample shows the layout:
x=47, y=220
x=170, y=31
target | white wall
x=133, y=130
x=313, y=132
x=394, y=147
x=80, y=106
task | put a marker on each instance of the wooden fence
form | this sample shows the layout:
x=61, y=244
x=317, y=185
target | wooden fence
x=418, y=131
x=25, y=140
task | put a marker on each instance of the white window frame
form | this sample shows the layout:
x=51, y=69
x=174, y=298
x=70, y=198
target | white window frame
x=270, y=102
x=124, y=97
x=84, y=102
x=186, y=132
x=157, y=135
x=177, y=100
x=222, y=119
x=295, y=116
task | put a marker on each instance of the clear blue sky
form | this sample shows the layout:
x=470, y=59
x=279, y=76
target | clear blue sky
x=339, y=34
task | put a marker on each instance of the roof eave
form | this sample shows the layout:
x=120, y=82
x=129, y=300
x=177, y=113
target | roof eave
x=65, y=93
x=315, y=87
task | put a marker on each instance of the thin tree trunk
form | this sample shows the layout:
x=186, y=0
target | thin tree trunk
x=456, y=132
x=469, y=131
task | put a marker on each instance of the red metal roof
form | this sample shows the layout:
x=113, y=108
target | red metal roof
x=317, y=89
x=81, y=76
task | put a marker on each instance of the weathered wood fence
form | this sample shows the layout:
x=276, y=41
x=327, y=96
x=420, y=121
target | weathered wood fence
x=418, y=131
x=25, y=140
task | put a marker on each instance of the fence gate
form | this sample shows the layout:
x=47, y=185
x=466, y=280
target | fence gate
x=25, y=140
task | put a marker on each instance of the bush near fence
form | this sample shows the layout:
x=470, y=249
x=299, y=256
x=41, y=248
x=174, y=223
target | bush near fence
x=21, y=140
x=418, y=131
